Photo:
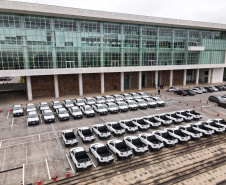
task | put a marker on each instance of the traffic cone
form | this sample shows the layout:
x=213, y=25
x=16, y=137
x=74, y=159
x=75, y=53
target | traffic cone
x=151, y=94
x=0, y=110
x=21, y=183
x=215, y=105
x=68, y=174
x=194, y=106
x=201, y=108
x=155, y=94
x=160, y=95
x=39, y=181
x=218, y=114
x=54, y=177
x=10, y=110
x=189, y=87
x=200, y=100
x=182, y=95
x=187, y=104
x=207, y=102
x=170, y=92
x=171, y=99
x=179, y=101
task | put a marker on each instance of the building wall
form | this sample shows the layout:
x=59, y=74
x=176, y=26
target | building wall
x=133, y=80
x=166, y=78
x=178, y=76
x=68, y=84
x=149, y=78
x=42, y=86
x=91, y=83
x=217, y=75
x=112, y=81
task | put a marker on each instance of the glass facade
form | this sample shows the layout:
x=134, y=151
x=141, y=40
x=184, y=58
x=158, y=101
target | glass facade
x=39, y=42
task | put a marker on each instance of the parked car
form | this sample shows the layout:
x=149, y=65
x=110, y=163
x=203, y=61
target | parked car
x=18, y=110
x=135, y=95
x=43, y=106
x=172, y=89
x=194, y=114
x=151, y=103
x=141, y=103
x=86, y=134
x=132, y=104
x=68, y=103
x=80, y=158
x=62, y=114
x=214, y=98
x=128, y=125
x=32, y=118
x=87, y=111
x=216, y=127
x=214, y=89
x=75, y=112
x=159, y=101
x=183, y=114
x=56, y=105
x=166, y=138
x=68, y=137
x=188, y=129
x=174, y=117
x=135, y=144
x=48, y=116
x=99, y=99
x=79, y=102
x=180, y=92
x=112, y=108
x=101, y=131
x=122, y=106
x=197, y=90
x=115, y=128
x=200, y=126
x=100, y=109
x=119, y=148
x=30, y=107
x=178, y=134
x=151, y=141
x=220, y=122
x=90, y=101
x=190, y=92
x=152, y=121
x=202, y=88
x=220, y=88
x=109, y=99
x=209, y=89
x=163, y=119
x=143, y=95
x=117, y=97
x=101, y=153
x=127, y=96
x=140, y=123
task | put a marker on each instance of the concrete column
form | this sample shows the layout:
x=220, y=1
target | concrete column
x=185, y=77
x=29, y=88
x=197, y=77
x=56, y=86
x=209, y=76
x=171, y=78
x=102, y=82
x=122, y=81
x=156, y=79
x=140, y=80
x=80, y=84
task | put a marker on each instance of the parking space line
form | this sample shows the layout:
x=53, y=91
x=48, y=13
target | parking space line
x=94, y=164
x=70, y=164
x=40, y=118
x=1, y=144
x=23, y=174
x=3, y=160
x=144, y=112
x=47, y=166
x=39, y=137
x=8, y=115
x=103, y=119
x=12, y=122
x=46, y=151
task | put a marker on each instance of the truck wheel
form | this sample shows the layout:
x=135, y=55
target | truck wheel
x=98, y=162
x=117, y=156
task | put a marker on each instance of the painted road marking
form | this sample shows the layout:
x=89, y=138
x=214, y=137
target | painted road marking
x=47, y=166
x=12, y=122
x=70, y=164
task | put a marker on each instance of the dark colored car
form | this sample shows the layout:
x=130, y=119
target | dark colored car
x=219, y=87
x=215, y=99
x=209, y=89
x=190, y=92
x=180, y=92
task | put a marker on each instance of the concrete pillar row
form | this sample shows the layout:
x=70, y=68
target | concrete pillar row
x=171, y=78
x=29, y=88
x=80, y=84
x=197, y=77
x=56, y=86
x=102, y=82
x=122, y=81
x=140, y=80
x=156, y=79
x=185, y=77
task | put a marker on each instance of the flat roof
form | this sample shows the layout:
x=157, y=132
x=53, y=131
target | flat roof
x=67, y=12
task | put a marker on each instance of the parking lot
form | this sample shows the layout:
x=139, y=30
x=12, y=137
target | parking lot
x=38, y=151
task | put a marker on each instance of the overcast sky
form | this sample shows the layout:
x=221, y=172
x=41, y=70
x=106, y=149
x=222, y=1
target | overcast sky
x=197, y=10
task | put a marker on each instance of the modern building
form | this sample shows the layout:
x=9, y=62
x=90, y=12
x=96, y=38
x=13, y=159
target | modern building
x=64, y=50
